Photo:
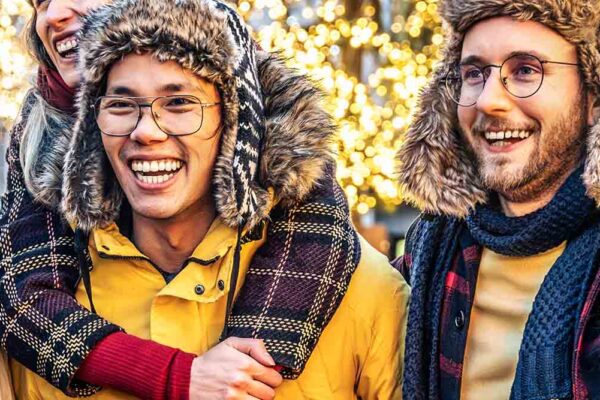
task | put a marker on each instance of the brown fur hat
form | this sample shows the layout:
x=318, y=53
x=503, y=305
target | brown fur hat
x=436, y=173
x=275, y=132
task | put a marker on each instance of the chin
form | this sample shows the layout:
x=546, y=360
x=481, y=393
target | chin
x=153, y=211
x=71, y=78
x=502, y=177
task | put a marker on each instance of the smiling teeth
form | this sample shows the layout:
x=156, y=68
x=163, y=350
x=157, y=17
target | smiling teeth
x=507, y=135
x=66, y=45
x=156, y=166
x=154, y=178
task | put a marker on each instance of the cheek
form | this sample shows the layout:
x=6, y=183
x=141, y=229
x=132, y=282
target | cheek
x=466, y=117
x=205, y=162
x=40, y=29
x=112, y=147
x=209, y=156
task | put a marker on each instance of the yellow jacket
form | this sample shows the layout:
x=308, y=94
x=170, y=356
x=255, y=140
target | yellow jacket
x=359, y=355
x=6, y=391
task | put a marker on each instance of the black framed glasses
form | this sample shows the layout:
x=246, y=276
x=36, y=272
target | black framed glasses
x=177, y=115
x=521, y=75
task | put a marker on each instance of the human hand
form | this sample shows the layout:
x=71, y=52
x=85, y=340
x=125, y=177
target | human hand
x=234, y=369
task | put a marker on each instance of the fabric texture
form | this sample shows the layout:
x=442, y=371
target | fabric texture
x=436, y=172
x=359, y=354
x=506, y=289
x=290, y=299
x=276, y=136
x=54, y=90
x=6, y=390
x=166, y=372
x=545, y=357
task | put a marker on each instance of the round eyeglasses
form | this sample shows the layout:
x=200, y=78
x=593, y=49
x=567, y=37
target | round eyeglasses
x=521, y=75
x=178, y=115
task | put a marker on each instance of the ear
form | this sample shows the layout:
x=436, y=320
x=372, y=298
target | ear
x=593, y=111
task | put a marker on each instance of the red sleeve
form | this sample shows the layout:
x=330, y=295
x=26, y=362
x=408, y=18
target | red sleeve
x=139, y=367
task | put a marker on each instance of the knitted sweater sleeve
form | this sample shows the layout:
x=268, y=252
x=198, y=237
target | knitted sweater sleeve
x=43, y=327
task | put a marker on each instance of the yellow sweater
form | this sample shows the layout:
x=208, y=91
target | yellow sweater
x=504, y=295
x=360, y=353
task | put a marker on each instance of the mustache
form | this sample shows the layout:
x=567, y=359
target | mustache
x=485, y=123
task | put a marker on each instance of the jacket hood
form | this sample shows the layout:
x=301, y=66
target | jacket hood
x=275, y=132
x=434, y=168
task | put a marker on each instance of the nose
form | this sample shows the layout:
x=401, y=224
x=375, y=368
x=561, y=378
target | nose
x=59, y=13
x=494, y=98
x=147, y=131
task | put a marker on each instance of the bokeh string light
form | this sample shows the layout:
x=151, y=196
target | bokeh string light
x=370, y=65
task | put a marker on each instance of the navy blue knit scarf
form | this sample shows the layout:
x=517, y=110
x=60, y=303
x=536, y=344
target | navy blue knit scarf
x=545, y=357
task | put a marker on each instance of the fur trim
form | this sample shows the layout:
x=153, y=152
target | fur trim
x=294, y=143
x=299, y=132
x=433, y=167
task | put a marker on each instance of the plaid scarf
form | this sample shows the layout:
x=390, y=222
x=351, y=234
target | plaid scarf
x=545, y=359
x=298, y=278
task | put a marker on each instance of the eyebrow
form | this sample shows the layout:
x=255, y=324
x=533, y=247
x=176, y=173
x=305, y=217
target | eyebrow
x=474, y=59
x=169, y=87
x=121, y=91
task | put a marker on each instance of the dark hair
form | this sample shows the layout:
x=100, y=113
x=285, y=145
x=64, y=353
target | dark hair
x=34, y=43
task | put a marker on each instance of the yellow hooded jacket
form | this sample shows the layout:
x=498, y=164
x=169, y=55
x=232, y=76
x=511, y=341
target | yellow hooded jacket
x=359, y=355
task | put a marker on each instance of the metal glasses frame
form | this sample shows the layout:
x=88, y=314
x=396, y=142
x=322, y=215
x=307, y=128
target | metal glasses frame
x=150, y=105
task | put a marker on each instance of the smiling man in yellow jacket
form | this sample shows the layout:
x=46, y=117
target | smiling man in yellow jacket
x=180, y=159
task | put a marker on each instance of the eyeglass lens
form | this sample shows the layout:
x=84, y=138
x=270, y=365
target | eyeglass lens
x=521, y=75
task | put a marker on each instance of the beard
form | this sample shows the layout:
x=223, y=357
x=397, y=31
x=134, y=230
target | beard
x=557, y=151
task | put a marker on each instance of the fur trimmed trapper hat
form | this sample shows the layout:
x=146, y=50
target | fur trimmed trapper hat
x=275, y=133
x=437, y=174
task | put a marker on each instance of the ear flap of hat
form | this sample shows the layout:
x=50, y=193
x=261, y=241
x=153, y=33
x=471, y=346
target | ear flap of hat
x=91, y=193
x=590, y=58
x=434, y=169
x=591, y=173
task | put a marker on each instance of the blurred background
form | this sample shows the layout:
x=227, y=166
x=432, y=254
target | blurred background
x=370, y=57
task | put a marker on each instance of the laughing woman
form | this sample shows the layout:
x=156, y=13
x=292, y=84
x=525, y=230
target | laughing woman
x=45, y=329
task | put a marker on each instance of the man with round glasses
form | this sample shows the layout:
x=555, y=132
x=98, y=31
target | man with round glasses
x=503, y=157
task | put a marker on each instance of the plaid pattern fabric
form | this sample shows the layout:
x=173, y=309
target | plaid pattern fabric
x=459, y=291
x=288, y=300
x=41, y=324
x=586, y=366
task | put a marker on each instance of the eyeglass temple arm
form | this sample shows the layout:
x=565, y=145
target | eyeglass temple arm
x=559, y=62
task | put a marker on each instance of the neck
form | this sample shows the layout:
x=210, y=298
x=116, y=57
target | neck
x=170, y=242
x=521, y=208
